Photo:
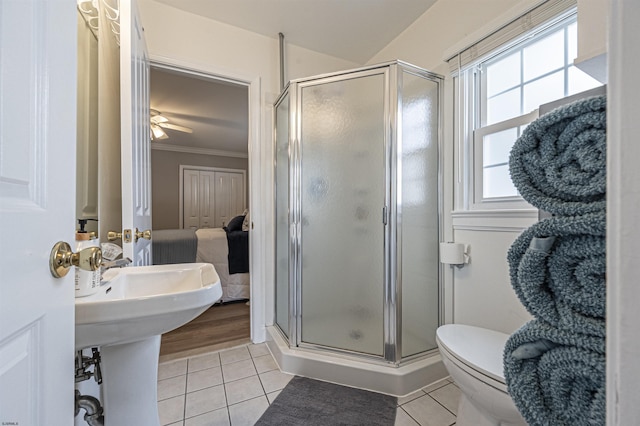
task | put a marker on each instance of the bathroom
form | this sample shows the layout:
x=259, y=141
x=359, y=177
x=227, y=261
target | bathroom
x=488, y=234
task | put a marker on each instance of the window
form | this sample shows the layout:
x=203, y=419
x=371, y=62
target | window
x=503, y=92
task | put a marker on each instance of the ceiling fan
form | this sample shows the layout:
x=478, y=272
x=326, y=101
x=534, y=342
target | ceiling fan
x=160, y=122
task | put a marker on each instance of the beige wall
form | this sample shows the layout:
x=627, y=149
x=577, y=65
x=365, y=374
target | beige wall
x=165, y=181
x=440, y=28
x=214, y=44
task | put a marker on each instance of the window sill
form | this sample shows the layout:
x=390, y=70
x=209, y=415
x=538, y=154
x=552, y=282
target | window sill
x=504, y=220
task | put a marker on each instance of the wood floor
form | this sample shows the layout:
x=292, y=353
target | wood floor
x=218, y=327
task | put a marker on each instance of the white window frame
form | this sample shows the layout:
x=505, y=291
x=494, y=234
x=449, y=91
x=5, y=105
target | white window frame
x=479, y=201
x=469, y=85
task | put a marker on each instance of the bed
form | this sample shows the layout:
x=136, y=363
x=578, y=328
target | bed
x=228, y=252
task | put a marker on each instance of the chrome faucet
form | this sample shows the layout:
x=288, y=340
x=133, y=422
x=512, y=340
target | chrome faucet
x=120, y=263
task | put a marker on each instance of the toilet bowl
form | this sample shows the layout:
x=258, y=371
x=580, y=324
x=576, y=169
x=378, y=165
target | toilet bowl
x=473, y=357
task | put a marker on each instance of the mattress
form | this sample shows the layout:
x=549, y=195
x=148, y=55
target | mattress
x=213, y=248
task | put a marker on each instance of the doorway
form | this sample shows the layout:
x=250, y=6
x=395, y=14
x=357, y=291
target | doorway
x=208, y=129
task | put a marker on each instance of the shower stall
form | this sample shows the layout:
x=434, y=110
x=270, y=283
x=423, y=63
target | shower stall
x=357, y=208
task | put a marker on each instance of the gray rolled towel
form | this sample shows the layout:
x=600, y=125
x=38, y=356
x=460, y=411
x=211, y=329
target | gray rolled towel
x=557, y=269
x=559, y=383
x=558, y=163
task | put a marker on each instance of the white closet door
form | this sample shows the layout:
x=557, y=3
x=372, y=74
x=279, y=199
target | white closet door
x=236, y=194
x=222, y=206
x=191, y=199
x=207, y=199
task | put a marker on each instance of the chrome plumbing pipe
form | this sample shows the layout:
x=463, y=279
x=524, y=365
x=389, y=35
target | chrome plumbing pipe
x=91, y=405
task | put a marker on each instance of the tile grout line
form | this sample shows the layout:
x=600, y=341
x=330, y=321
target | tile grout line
x=264, y=391
x=186, y=384
x=224, y=388
x=410, y=416
x=452, y=383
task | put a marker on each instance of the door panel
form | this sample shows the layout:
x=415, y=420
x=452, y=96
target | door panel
x=37, y=206
x=207, y=206
x=223, y=208
x=236, y=194
x=136, y=140
x=191, y=199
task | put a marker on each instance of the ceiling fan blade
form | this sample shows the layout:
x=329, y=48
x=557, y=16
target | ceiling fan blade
x=175, y=127
x=157, y=119
x=157, y=132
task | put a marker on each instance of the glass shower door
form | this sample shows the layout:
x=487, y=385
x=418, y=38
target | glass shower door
x=343, y=192
x=418, y=213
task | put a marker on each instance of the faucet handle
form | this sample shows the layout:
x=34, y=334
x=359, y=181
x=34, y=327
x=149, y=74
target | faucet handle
x=120, y=263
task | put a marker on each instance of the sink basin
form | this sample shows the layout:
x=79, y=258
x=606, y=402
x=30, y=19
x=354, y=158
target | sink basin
x=126, y=317
x=141, y=301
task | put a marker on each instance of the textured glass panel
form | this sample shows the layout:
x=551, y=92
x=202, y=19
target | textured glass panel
x=545, y=90
x=342, y=195
x=544, y=56
x=503, y=107
x=282, y=214
x=497, y=182
x=503, y=74
x=418, y=199
x=580, y=81
x=497, y=146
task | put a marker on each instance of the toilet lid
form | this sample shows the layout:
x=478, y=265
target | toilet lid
x=479, y=348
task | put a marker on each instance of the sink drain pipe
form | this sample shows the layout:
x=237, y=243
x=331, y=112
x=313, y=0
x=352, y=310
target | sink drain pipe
x=91, y=405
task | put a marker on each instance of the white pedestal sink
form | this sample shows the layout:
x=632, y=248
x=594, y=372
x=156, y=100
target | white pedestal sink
x=126, y=317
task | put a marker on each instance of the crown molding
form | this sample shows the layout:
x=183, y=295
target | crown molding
x=193, y=150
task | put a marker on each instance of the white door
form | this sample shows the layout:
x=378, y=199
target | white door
x=207, y=199
x=237, y=194
x=230, y=196
x=37, y=206
x=191, y=199
x=136, y=140
x=223, y=209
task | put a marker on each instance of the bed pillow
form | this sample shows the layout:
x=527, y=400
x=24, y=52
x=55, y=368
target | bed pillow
x=235, y=224
x=245, y=222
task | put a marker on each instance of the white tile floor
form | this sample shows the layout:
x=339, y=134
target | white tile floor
x=234, y=387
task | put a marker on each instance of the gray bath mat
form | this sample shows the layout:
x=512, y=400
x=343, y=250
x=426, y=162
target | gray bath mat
x=308, y=402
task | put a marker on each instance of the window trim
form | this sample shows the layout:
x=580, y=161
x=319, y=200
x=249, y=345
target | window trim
x=478, y=202
x=471, y=114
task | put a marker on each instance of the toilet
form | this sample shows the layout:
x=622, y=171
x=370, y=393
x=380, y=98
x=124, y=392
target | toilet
x=473, y=357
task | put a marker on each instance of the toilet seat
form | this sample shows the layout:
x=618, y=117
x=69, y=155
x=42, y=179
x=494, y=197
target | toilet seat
x=476, y=350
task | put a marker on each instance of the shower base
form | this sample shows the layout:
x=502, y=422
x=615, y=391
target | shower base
x=396, y=381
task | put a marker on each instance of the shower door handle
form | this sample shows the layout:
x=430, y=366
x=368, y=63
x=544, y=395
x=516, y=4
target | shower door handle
x=384, y=215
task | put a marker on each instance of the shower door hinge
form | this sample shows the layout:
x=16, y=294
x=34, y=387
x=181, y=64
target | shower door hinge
x=384, y=215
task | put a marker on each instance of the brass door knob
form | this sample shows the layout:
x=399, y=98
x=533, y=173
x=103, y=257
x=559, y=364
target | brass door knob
x=62, y=258
x=143, y=234
x=125, y=235
x=112, y=236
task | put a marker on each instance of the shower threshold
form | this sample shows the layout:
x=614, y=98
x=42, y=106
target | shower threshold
x=390, y=380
